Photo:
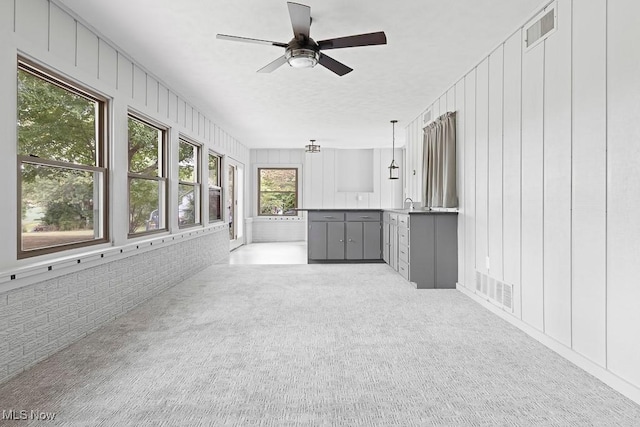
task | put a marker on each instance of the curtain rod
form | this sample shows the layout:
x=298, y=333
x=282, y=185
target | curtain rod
x=439, y=119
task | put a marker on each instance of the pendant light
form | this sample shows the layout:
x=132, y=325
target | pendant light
x=394, y=170
x=313, y=147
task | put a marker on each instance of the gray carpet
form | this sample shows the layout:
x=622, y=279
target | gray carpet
x=274, y=345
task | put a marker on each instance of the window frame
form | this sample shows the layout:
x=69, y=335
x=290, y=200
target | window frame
x=101, y=161
x=196, y=183
x=259, y=191
x=163, y=168
x=217, y=186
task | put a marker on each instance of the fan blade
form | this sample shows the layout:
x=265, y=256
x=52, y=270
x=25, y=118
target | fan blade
x=248, y=40
x=369, y=39
x=300, y=19
x=337, y=67
x=273, y=65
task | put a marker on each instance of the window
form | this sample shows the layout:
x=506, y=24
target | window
x=147, y=177
x=188, y=184
x=62, y=177
x=215, y=188
x=277, y=191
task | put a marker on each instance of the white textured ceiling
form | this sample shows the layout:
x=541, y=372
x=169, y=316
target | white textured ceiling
x=430, y=45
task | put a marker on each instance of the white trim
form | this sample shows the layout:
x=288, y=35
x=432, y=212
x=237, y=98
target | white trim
x=617, y=383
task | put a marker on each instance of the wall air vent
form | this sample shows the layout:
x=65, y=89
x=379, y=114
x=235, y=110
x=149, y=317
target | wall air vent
x=541, y=27
x=427, y=117
x=497, y=292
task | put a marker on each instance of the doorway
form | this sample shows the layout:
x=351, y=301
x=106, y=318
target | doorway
x=235, y=191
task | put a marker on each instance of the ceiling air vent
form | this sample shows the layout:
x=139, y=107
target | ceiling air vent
x=541, y=27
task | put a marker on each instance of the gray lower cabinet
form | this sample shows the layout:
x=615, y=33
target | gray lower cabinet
x=344, y=236
x=423, y=248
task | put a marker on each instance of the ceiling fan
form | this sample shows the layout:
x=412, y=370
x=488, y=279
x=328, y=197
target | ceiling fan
x=303, y=52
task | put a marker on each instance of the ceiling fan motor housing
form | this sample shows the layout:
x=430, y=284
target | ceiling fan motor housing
x=302, y=53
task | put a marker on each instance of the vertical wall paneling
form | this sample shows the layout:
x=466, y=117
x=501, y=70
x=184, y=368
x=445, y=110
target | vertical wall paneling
x=623, y=187
x=482, y=164
x=139, y=85
x=62, y=34
x=495, y=180
x=589, y=180
x=125, y=76
x=451, y=100
x=188, y=123
x=87, y=51
x=152, y=94
x=273, y=156
x=285, y=156
x=107, y=63
x=374, y=197
x=7, y=17
x=532, y=185
x=461, y=116
x=174, y=107
x=163, y=101
x=32, y=21
x=329, y=178
x=512, y=161
x=557, y=178
x=470, y=176
x=182, y=116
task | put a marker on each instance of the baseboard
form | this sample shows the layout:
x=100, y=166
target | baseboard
x=612, y=380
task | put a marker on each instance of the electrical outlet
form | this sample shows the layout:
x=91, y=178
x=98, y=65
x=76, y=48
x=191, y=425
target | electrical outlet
x=488, y=264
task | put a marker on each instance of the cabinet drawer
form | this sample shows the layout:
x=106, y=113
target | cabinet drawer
x=326, y=216
x=363, y=216
x=403, y=269
x=403, y=236
x=403, y=254
x=403, y=221
x=393, y=218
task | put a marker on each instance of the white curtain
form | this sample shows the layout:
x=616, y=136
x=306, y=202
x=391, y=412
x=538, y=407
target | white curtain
x=439, y=162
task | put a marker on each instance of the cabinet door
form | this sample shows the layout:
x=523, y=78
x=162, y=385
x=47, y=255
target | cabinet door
x=393, y=246
x=317, y=240
x=371, y=240
x=335, y=240
x=385, y=242
x=355, y=243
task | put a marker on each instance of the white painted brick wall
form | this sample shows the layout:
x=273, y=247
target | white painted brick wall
x=279, y=229
x=42, y=318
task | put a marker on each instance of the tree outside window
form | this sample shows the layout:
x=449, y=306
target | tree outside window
x=188, y=184
x=215, y=188
x=147, y=177
x=277, y=191
x=62, y=182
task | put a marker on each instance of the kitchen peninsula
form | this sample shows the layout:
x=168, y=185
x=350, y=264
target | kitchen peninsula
x=420, y=244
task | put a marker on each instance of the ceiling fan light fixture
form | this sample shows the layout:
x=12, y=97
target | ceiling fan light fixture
x=313, y=147
x=302, y=58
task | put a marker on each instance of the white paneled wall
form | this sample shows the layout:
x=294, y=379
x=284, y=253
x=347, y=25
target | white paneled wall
x=318, y=188
x=548, y=153
x=46, y=33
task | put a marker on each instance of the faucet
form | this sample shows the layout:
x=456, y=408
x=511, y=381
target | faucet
x=409, y=199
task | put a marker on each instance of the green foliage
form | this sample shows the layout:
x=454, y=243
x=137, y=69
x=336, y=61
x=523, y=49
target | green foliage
x=144, y=144
x=186, y=162
x=54, y=123
x=144, y=196
x=278, y=191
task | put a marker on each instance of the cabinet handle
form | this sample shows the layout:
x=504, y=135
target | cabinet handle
x=341, y=240
x=365, y=217
x=328, y=216
x=402, y=252
x=351, y=240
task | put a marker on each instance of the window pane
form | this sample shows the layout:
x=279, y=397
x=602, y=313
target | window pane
x=277, y=203
x=187, y=162
x=146, y=205
x=58, y=206
x=215, y=204
x=145, y=148
x=278, y=179
x=55, y=123
x=188, y=204
x=213, y=171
